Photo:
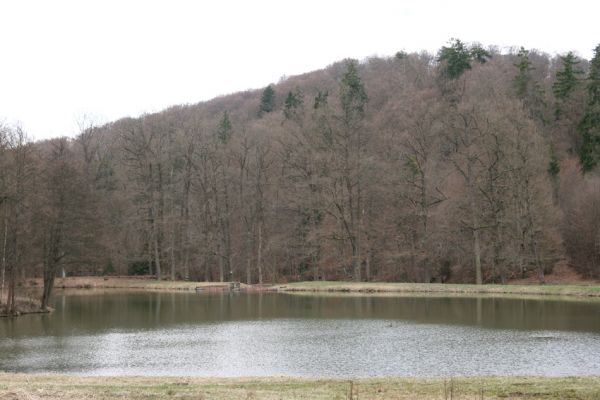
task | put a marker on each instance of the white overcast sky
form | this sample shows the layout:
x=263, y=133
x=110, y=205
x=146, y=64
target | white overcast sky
x=60, y=60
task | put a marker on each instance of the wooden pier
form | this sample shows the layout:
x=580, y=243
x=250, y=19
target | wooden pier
x=225, y=286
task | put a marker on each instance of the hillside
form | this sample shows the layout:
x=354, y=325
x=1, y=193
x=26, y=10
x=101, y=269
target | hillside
x=466, y=166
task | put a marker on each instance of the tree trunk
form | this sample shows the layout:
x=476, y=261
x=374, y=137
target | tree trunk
x=225, y=228
x=186, y=222
x=11, y=306
x=247, y=248
x=477, y=253
x=160, y=217
x=474, y=223
x=156, y=254
x=368, y=266
x=207, y=269
x=538, y=262
x=501, y=270
x=206, y=246
x=4, y=239
x=49, y=275
x=150, y=249
x=186, y=265
x=153, y=220
x=221, y=270
x=259, y=254
x=355, y=233
x=172, y=254
x=356, y=263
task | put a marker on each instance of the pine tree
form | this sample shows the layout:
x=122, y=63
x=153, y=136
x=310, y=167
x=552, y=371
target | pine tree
x=353, y=101
x=224, y=130
x=566, y=82
x=353, y=95
x=267, y=101
x=589, y=127
x=522, y=80
x=293, y=103
x=320, y=99
x=401, y=55
x=457, y=58
x=526, y=89
x=594, y=78
x=531, y=94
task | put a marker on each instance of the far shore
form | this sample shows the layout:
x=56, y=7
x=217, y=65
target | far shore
x=591, y=289
x=33, y=386
x=575, y=290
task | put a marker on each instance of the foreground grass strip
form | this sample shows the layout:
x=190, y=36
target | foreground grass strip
x=23, y=386
x=583, y=290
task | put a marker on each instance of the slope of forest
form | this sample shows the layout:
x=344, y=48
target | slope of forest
x=465, y=166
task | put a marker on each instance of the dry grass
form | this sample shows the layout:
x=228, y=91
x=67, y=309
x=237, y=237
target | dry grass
x=22, y=386
x=24, y=305
x=579, y=290
x=146, y=283
x=140, y=283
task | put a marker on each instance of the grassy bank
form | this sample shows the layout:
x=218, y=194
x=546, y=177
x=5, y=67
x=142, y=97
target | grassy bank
x=146, y=283
x=138, y=283
x=22, y=386
x=581, y=290
x=24, y=305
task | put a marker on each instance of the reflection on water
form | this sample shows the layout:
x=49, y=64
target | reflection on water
x=280, y=334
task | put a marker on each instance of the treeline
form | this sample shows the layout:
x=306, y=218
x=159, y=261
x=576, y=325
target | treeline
x=466, y=166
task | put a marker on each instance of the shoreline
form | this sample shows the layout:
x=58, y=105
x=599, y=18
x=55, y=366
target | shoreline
x=591, y=289
x=580, y=290
x=24, y=306
x=64, y=387
x=568, y=290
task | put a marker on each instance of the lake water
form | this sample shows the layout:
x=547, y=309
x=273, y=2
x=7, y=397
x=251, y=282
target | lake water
x=242, y=334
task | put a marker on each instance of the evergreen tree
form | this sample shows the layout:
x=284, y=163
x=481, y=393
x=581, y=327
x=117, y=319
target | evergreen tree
x=526, y=89
x=531, y=94
x=457, y=58
x=320, y=99
x=224, y=130
x=353, y=96
x=351, y=142
x=566, y=82
x=589, y=127
x=267, y=101
x=523, y=79
x=293, y=103
x=593, y=86
x=401, y=55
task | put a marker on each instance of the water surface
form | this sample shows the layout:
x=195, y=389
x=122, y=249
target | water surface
x=264, y=334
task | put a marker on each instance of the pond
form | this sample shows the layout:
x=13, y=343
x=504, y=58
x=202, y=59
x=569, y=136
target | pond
x=264, y=334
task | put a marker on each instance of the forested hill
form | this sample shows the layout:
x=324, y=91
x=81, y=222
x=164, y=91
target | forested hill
x=464, y=166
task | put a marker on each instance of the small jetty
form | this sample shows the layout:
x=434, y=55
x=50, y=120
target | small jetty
x=237, y=287
x=225, y=286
